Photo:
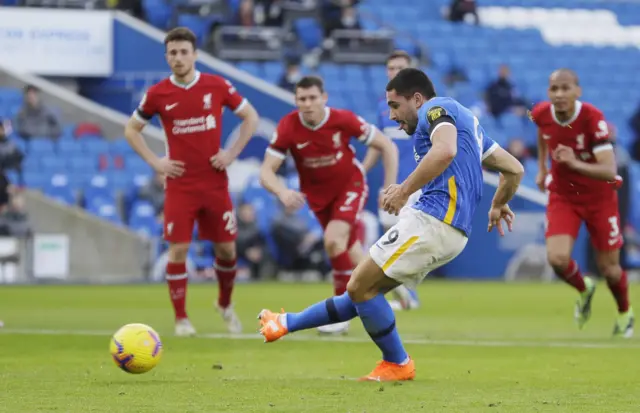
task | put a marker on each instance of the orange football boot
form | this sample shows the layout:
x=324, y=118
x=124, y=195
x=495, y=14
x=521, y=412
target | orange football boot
x=270, y=326
x=387, y=371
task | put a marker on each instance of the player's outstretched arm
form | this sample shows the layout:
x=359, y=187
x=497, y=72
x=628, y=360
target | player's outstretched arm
x=389, y=151
x=270, y=181
x=604, y=168
x=511, y=172
x=164, y=166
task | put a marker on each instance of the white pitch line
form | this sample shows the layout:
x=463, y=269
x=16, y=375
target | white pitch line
x=343, y=339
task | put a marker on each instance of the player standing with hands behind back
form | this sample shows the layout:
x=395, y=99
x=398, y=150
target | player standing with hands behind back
x=582, y=187
x=190, y=106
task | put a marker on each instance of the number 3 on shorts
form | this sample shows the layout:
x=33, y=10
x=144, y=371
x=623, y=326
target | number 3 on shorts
x=230, y=222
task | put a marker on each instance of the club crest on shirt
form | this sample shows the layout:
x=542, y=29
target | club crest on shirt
x=336, y=139
x=206, y=100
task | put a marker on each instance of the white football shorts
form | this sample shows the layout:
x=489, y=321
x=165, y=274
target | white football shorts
x=415, y=246
x=388, y=220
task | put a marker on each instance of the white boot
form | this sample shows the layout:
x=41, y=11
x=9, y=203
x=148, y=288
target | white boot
x=229, y=316
x=334, y=329
x=184, y=328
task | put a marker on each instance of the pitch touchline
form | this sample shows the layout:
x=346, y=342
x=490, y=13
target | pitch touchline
x=342, y=339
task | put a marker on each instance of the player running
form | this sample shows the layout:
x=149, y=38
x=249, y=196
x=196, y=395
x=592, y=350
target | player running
x=190, y=106
x=450, y=150
x=332, y=181
x=405, y=299
x=582, y=188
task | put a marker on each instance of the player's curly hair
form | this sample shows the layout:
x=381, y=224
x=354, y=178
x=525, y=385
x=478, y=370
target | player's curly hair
x=180, y=34
x=409, y=81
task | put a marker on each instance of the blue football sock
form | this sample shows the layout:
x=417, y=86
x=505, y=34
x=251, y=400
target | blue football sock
x=380, y=322
x=330, y=311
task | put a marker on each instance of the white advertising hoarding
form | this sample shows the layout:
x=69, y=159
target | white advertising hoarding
x=55, y=42
x=51, y=256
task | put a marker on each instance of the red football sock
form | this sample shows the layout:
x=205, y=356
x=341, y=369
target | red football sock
x=620, y=291
x=573, y=277
x=342, y=267
x=226, y=273
x=177, y=280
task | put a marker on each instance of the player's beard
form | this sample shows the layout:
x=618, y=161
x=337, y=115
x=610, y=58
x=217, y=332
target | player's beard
x=314, y=117
x=410, y=126
x=182, y=71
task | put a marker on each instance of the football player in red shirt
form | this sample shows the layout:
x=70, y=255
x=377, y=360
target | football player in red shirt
x=582, y=188
x=190, y=106
x=332, y=181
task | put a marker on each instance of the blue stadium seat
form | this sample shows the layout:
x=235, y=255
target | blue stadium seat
x=98, y=189
x=634, y=181
x=198, y=24
x=120, y=180
x=120, y=146
x=107, y=211
x=41, y=145
x=137, y=166
x=31, y=162
x=142, y=219
x=309, y=32
x=141, y=211
x=68, y=132
x=10, y=96
x=94, y=146
x=251, y=67
x=35, y=179
x=158, y=12
x=63, y=194
x=69, y=147
x=83, y=164
x=53, y=164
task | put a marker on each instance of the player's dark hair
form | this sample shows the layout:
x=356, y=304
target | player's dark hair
x=31, y=88
x=308, y=82
x=399, y=54
x=180, y=34
x=410, y=81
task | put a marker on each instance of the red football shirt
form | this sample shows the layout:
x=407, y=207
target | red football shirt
x=587, y=134
x=191, y=116
x=325, y=160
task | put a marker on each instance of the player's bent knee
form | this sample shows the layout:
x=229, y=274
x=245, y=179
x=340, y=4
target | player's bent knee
x=334, y=245
x=225, y=250
x=178, y=252
x=609, y=266
x=558, y=261
x=612, y=272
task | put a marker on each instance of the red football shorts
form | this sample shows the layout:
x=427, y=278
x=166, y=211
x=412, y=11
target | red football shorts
x=564, y=217
x=212, y=210
x=346, y=207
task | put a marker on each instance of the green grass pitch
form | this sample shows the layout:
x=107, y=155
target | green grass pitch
x=479, y=347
